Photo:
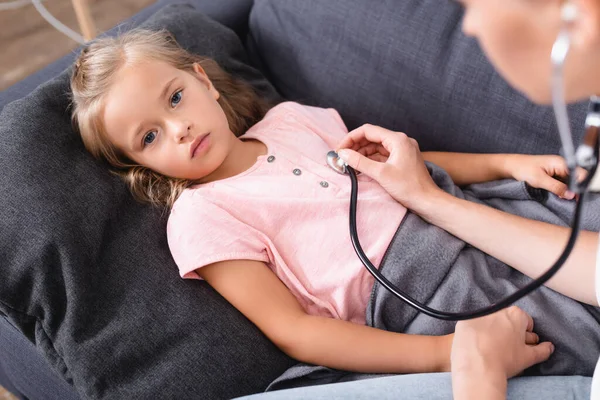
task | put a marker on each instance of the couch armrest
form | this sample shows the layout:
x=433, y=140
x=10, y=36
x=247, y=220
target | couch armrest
x=25, y=372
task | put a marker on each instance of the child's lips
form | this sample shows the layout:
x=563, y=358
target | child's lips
x=199, y=144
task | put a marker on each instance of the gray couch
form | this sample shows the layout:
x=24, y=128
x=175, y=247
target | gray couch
x=91, y=305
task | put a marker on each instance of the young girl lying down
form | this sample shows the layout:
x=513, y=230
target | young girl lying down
x=257, y=213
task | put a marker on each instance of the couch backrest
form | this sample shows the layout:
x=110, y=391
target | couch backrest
x=404, y=65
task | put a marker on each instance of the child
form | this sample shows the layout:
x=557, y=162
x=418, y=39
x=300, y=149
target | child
x=255, y=210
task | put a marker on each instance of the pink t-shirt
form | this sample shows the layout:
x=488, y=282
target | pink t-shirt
x=290, y=211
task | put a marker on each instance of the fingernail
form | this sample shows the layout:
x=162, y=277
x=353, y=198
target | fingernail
x=551, y=348
x=569, y=195
x=343, y=154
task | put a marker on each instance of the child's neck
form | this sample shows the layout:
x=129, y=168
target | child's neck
x=242, y=156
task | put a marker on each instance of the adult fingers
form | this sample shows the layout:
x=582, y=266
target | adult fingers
x=531, y=338
x=372, y=133
x=379, y=157
x=538, y=353
x=349, y=142
x=521, y=316
x=372, y=148
x=529, y=321
x=361, y=163
x=376, y=156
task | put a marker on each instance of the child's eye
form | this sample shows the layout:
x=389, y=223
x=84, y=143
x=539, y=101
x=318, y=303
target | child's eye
x=176, y=98
x=149, y=138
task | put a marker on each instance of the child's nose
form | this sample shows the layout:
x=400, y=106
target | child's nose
x=180, y=129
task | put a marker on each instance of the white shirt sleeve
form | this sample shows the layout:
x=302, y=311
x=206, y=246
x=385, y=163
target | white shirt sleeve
x=595, y=394
x=598, y=274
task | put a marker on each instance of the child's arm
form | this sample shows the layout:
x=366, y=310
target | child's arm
x=537, y=171
x=255, y=291
x=467, y=168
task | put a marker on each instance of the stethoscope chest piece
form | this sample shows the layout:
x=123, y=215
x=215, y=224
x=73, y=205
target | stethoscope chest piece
x=336, y=163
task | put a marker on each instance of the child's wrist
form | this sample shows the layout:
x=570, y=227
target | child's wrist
x=444, y=349
x=505, y=166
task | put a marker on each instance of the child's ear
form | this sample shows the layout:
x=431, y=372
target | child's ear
x=203, y=77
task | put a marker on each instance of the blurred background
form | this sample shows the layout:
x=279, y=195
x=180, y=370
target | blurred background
x=28, y=42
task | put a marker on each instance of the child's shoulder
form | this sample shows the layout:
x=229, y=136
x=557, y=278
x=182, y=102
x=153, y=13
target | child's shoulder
x=294, y=108
x=306, y=115
x=188, y=200
x=194, y=206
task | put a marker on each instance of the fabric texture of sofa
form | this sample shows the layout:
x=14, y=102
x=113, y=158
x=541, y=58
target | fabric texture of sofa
x=91, y=305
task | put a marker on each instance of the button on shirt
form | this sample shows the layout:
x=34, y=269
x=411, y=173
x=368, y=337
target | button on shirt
x=290, y=211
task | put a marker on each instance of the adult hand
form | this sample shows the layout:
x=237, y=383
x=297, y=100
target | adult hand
x=390, y=158
x=487, y=351
x=542, y=172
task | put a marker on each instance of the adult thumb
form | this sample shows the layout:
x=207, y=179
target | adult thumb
x=359, y=162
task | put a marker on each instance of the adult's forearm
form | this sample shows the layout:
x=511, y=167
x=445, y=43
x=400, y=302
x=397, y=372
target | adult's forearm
x=527, y=245
x=352, y=347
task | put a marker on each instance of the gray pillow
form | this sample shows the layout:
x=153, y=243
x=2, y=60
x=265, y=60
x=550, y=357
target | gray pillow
x=404, y=65
x=86, y=271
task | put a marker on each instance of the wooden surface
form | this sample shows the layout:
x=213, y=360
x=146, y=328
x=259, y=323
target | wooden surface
x=84, y=18
x=28, y=42
x=4, y=395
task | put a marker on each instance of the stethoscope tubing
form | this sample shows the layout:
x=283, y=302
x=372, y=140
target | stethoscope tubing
x=459, y=316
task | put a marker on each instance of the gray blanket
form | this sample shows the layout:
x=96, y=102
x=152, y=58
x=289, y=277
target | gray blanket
x=446, y=273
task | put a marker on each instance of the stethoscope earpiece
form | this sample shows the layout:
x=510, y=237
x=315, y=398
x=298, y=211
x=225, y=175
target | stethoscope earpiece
x=569, y=12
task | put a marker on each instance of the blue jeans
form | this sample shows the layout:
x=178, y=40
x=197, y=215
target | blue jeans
x=434, y=387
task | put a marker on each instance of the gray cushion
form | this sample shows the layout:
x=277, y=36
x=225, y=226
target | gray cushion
x=404, y=65
x=86, y=271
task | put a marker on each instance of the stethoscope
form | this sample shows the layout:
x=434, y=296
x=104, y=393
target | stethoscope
x=585, y=157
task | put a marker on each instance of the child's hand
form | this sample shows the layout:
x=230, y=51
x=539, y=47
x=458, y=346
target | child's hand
x=542, y=172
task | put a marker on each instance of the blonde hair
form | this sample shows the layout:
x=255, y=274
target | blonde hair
x=93, y=75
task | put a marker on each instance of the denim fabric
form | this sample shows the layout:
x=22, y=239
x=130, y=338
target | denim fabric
x=404, y=65
x=434, y=387
x=86, y=271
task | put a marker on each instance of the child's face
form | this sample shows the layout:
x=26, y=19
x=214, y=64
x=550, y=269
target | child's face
x=157, y=114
